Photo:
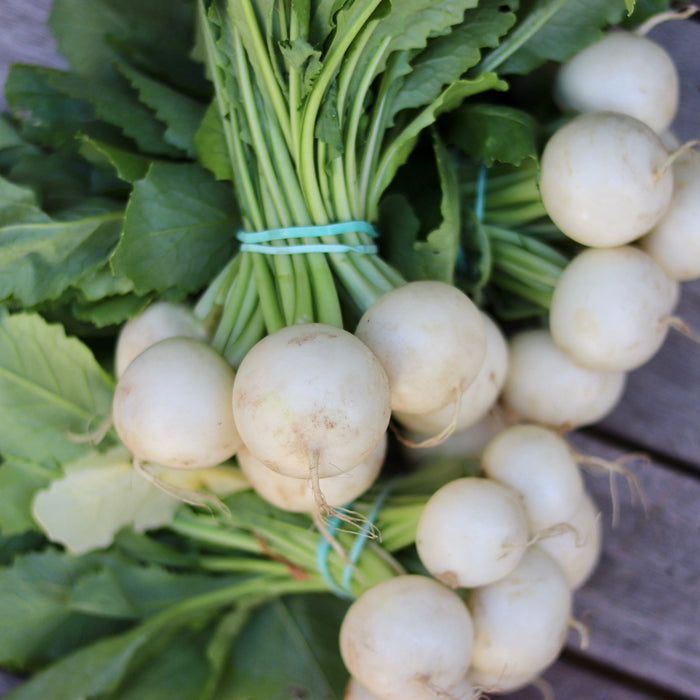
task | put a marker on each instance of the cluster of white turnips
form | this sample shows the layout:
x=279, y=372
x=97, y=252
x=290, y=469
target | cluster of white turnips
x=306, y=413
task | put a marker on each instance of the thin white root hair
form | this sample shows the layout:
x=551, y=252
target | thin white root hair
x=612, y=468
x=654, y=21
x=555, y=531
x=583, y=632
x=441, y=436
x=199, y=499
x=94, y=436
x=324, y=512
x=546, y=690
x=674, y=155
x=681, y=326
x=440, y=693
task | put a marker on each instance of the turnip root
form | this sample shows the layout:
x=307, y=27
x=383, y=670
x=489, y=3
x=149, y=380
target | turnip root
x=611, y=307
x=539, y=464
x=521, y=621
x=623, y=72
x=406, y=637
x=675, y=240
x=311, y=400
x=159, y=321
x=577, y=549
x=475, y=400
x=472, y=531
x=430, y=338
x=294, y=494
x=172, y=406
x=604, y=179
x=545, y=385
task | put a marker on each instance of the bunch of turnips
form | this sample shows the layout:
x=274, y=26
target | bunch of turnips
x=306, y=414
x=368, y=394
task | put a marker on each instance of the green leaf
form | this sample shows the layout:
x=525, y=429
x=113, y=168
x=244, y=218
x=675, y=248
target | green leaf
x=180, y=227
x=38, y=623
x=437, y=255
x=177, y=671
x=180, y=113
x=13, y=545
x=154, y=35
x=116, y=104
x=409, y=26
x=552, y=30
x=488, y=133
x=49, y=116
x=400, y=227
x=89, y=671
x=300, y=637
x=447, y=58
x=41, y=257
x=51, y=386
x=98, y=495
x=20, y=479
x=211, y=146
x=401, y=145
x=130, y=166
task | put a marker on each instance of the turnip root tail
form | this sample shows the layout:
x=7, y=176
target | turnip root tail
x=94, y=436
x=674, y=155
x=583, y=631
x=440, y=437
x=357, y=522
x=199, y=499
x=545, y=689
x=681, y=326
x=654, y=21
x=614, y=467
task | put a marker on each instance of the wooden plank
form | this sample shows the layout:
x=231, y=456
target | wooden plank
x=568, y=680
x=642, y=604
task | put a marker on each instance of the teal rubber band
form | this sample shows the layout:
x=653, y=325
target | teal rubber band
x=308, y=248
x=335, y=229
x=480, y=200
x=322, y=551
x=255, y=241
x=361, y=539
x=323, y=547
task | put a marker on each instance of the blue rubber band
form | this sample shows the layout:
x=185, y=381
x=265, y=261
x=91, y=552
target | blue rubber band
x=322, y=551
x=480, y=200
x=323, y=547
x=361, y=539
x=256, y=241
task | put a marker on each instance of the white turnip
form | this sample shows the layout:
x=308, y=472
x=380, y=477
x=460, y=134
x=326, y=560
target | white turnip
x=172, y=405
x=311, y=400
x=545, y=385
x=431, y=339
x=623, y=72
x=472, y=531
x=408, y=636
x=605, y=179
x=611, y=307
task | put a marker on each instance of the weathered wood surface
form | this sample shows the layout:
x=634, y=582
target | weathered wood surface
x=642, y=605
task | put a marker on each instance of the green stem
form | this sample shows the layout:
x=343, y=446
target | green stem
x=534, y=21
x=515, y=215
x=233, y=306
x=307, y=163
x=252, y=111
x=542, y=297
x=234, y=143
x=268, y=75
x=239, y=345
